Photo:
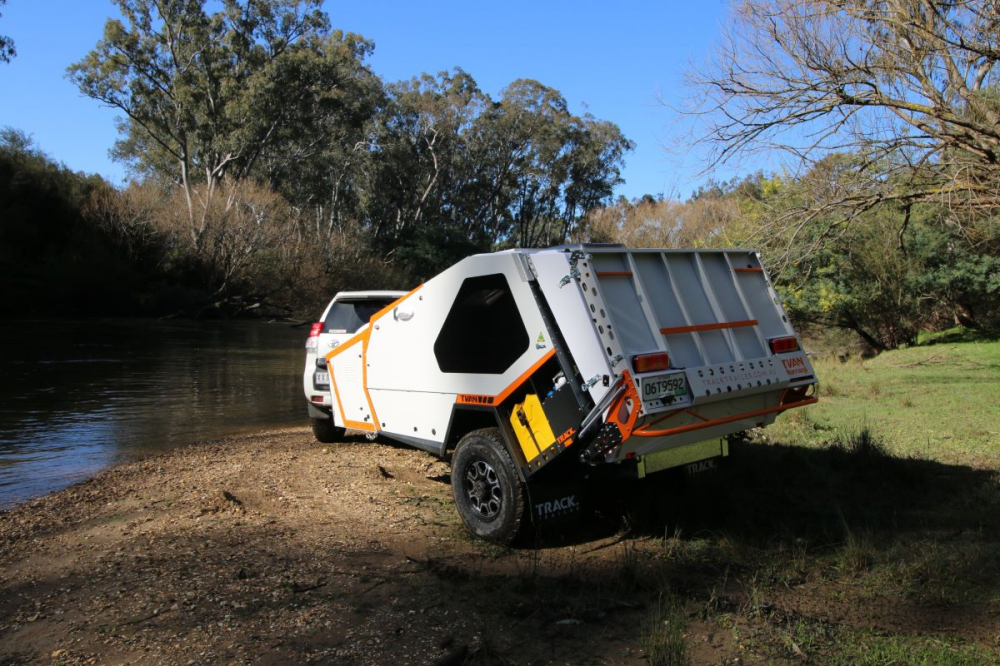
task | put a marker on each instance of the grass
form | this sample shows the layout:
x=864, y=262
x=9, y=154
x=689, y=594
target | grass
x=663, y=636
x=932, y=401
x=860, y=531
x=869, y=649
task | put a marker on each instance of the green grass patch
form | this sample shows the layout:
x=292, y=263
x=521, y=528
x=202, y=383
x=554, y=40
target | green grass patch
x=663, y=634
x=936, y=402
x=867, y=649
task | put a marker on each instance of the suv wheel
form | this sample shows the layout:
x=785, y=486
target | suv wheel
x=326, y=432
x=488, y=492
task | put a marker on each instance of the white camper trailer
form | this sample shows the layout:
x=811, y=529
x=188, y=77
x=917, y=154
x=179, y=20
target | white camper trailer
x=538, y=367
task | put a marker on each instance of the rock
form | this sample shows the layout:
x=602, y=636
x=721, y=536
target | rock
x=229, y=497
x=453, y=658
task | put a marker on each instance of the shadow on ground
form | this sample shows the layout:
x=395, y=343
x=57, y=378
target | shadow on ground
x=784, y=546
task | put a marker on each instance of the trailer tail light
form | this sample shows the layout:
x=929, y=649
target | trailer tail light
x=650, y=362
x=783, y=345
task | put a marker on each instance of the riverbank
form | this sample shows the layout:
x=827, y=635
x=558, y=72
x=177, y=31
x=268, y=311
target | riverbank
x=265, y=548
x=79, y=395
x=270, y=548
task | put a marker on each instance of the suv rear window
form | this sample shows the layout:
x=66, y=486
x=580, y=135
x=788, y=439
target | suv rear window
x=349, y=316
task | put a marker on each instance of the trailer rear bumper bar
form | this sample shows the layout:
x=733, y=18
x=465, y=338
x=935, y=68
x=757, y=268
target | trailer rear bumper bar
x=789, y=400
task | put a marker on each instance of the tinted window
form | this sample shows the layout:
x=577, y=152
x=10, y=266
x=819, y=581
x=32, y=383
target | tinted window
x=349, y=316
x=483, y=332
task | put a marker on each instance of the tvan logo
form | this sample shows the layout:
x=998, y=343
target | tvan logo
x=556, y=507
x=794, y=366
x=467, y=399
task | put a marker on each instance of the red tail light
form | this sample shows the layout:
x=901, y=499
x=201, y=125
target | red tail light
x=650, y=362
x=316, y=329
x=783, y=345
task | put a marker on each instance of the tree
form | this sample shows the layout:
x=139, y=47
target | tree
x=908, y=88
x=210, y=96
x=546, y=168
x=447, y=171
x=7, y=50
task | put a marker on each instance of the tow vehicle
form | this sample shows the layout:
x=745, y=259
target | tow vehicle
x=544, y=371
x=344, y=315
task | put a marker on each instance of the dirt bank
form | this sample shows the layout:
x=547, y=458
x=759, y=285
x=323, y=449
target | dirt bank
x=271, y=548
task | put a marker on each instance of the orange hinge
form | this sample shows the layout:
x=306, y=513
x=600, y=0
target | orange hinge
x=624, y=411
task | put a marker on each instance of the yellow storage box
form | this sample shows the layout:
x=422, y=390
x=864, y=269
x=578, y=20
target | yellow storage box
x=531, y=427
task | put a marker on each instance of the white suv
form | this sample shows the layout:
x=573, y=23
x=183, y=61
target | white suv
x=346, y=314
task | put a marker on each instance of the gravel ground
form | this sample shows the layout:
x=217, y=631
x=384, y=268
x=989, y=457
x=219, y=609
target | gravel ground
x=271, y=548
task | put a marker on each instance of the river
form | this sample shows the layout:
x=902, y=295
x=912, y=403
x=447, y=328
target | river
x=78, y=396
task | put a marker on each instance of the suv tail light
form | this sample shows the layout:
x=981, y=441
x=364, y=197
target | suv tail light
x=783, y=345
x=650, y=362
x=312, y=342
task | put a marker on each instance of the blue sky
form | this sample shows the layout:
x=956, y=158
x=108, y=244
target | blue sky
x=614, y=60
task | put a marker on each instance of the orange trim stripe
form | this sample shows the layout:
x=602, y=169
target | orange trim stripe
x=524, y=376
x=357, y=425
x=614, y=273
x=640, y=432
x=468, y=399
x=364, y=337
x=386, y=309
x=708, y=327
x=357, y=337
x=748, y=270
x=364, y=350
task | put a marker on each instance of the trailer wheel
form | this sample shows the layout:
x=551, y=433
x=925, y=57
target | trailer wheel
x=488, y=492
x=326, y=432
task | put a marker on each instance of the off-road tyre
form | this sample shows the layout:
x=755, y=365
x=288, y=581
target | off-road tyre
x=490, y=495
x=326, y=432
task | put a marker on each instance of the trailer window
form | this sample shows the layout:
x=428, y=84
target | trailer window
x=483, y=332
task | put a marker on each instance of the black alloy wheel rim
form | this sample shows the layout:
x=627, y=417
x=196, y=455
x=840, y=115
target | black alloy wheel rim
x=482, y=487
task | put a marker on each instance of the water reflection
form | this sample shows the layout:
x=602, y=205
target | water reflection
x=78, y=396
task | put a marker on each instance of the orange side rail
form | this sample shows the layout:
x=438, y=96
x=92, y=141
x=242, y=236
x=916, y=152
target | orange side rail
x=749, y=270
x=614, y=273
x=641, y=432
x=708, y=327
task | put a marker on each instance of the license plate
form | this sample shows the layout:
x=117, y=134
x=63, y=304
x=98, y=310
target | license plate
x=321, y=378
x=662, y=387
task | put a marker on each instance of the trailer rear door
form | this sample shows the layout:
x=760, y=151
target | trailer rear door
x=713, y=312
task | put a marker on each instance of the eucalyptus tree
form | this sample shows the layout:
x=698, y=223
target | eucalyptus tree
x=908, y=88
x=7, y=50
x=206, y=96
x=456, y=171
x=544, y=167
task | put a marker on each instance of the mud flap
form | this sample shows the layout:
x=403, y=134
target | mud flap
x=557, y=502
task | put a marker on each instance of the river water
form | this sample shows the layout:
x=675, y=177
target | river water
x=78, y=396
